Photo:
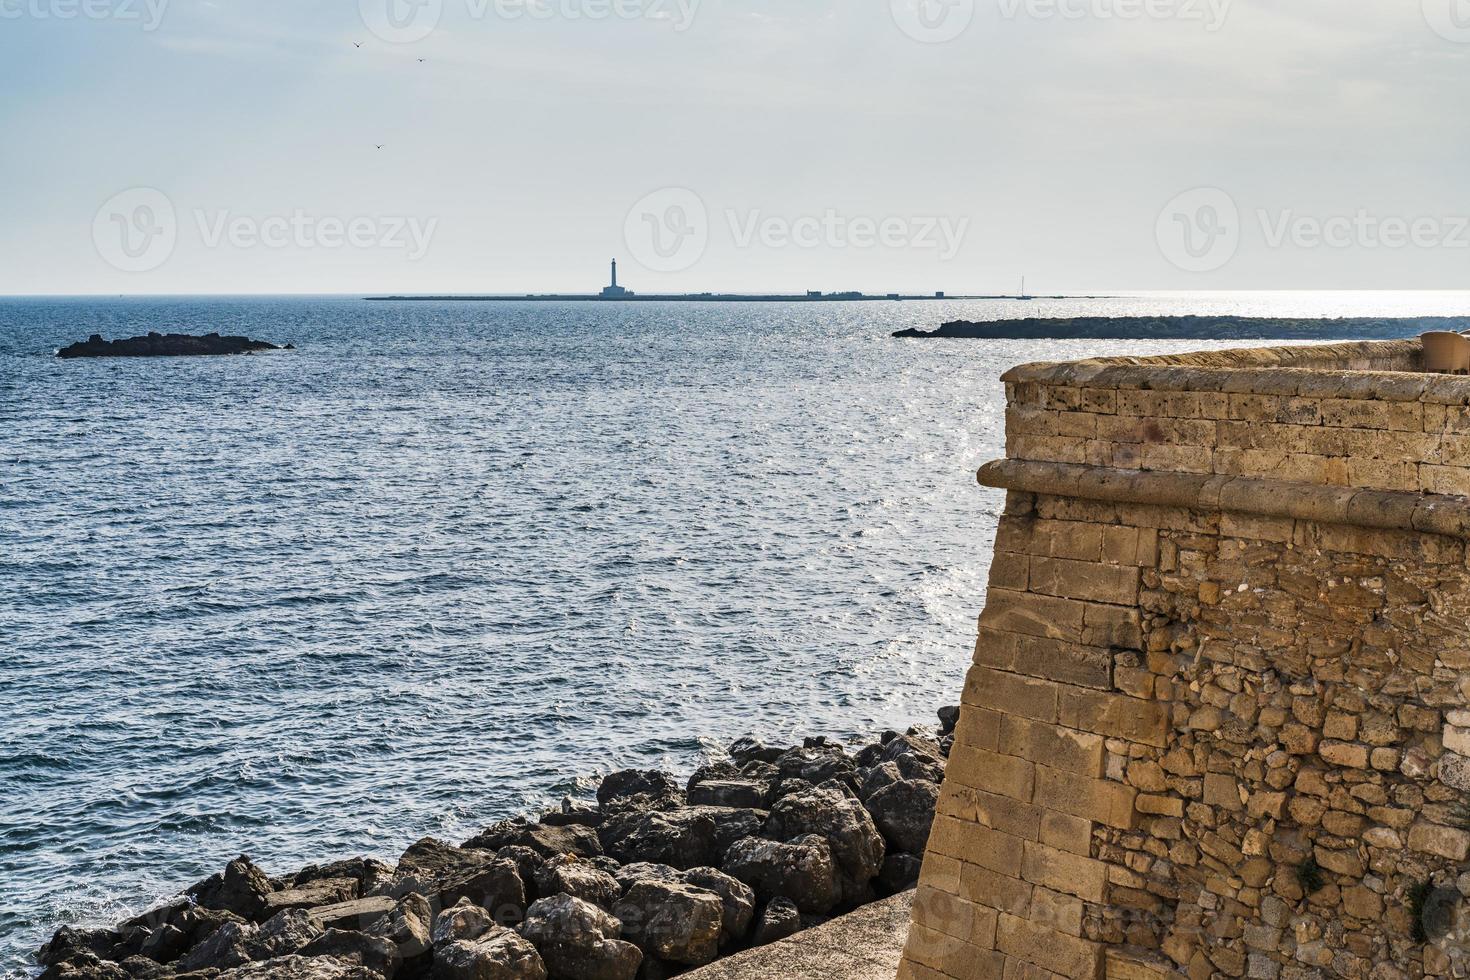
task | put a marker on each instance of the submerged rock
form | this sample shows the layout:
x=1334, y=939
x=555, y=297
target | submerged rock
x=166, y=345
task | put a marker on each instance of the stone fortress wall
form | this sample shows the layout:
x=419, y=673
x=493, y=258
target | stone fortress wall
x=1218, y=721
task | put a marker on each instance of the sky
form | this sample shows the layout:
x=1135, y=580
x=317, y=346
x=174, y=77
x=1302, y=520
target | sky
x=513, y=146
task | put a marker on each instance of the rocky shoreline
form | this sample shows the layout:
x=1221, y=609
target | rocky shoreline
x=653, y=879
x=1191, y=328
x=166, y=345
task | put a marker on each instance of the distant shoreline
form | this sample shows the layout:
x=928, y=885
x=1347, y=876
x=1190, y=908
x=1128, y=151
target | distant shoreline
x=1192, y=328
x=703, y=298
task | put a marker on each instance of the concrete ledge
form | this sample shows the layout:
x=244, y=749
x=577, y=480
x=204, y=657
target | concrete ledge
x=864, y=945
x=1381, y=509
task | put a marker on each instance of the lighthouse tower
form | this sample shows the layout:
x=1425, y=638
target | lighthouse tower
x=615, y=291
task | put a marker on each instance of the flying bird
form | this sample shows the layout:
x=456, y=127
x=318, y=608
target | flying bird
x=379, y=145
x=357, y=44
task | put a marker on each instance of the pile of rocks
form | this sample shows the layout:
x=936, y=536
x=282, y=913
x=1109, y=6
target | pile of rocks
x=651, y=880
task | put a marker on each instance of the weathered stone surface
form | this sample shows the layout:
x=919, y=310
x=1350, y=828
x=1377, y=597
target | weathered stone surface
x=857, y=847
x=495, y=954
x=634, y=789
x=903, y=813
x=736, y=899
x=802, y=870
x=546, y=840
x=241, y=888
x=689, y=838
x=778, y=919
x=567, y=875
x=356, y=949
x=579, y=941
x=675, y=922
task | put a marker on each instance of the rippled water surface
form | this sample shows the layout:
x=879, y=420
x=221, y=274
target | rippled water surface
x=448, y=562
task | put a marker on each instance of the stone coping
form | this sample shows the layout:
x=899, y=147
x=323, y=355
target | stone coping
x=865, y=944
x=1381, y=509
x=1386, y=370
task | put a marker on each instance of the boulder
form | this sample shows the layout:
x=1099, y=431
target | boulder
x=573, y=812
x=357, y=949
x=736, y=898
x=369, y=874
x=567, y=875
x=630, y=874
x=165, y=944
x=900, y=871
x=949, y=717
x=241, y=888
x=689, y=838
x=497, y=886
x=300, y=968
x=857, y=847
x=283, y=934
x=84, y=966
x=875, y=778
x=408, y=926
x=310, y=894
x=915, y=757
x=356, y=915
x=639, y=789
x=527, y=862
x=903, y=813
x=802, y=870
x=463, y=921
x=544, y=839
x=228, y=946
x=748, y=749
x=720, y=769
x=673, y=921
x=817, y=765
x=731, y=793
x=579, y=941
x=497, y=954
x=779, y=919
x=68, y=942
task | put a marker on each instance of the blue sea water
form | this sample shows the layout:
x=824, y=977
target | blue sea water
x=448, y=562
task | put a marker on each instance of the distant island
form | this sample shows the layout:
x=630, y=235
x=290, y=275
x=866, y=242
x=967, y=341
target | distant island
x=166, y=345
x=1192, y=328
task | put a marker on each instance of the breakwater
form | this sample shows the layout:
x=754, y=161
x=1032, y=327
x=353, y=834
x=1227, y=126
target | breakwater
x=655, y=877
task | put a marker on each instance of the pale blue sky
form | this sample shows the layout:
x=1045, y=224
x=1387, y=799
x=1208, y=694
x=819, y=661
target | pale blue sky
x=1042, y=145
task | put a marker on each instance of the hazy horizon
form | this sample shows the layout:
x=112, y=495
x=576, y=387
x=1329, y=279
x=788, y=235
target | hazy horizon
x=219, y=147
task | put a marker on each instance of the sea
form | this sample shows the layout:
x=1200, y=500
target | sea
x=450, y=562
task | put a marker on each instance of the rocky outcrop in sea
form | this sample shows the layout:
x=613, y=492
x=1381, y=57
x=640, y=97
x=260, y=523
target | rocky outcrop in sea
x=654, y=878
x=1191, y=328
x=166, y=345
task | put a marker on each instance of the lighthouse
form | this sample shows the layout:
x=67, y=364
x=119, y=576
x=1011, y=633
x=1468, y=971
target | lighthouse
x=615, y=291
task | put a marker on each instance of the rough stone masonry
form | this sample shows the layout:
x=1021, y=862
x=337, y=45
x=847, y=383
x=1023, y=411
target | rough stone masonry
x=1217, y=723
